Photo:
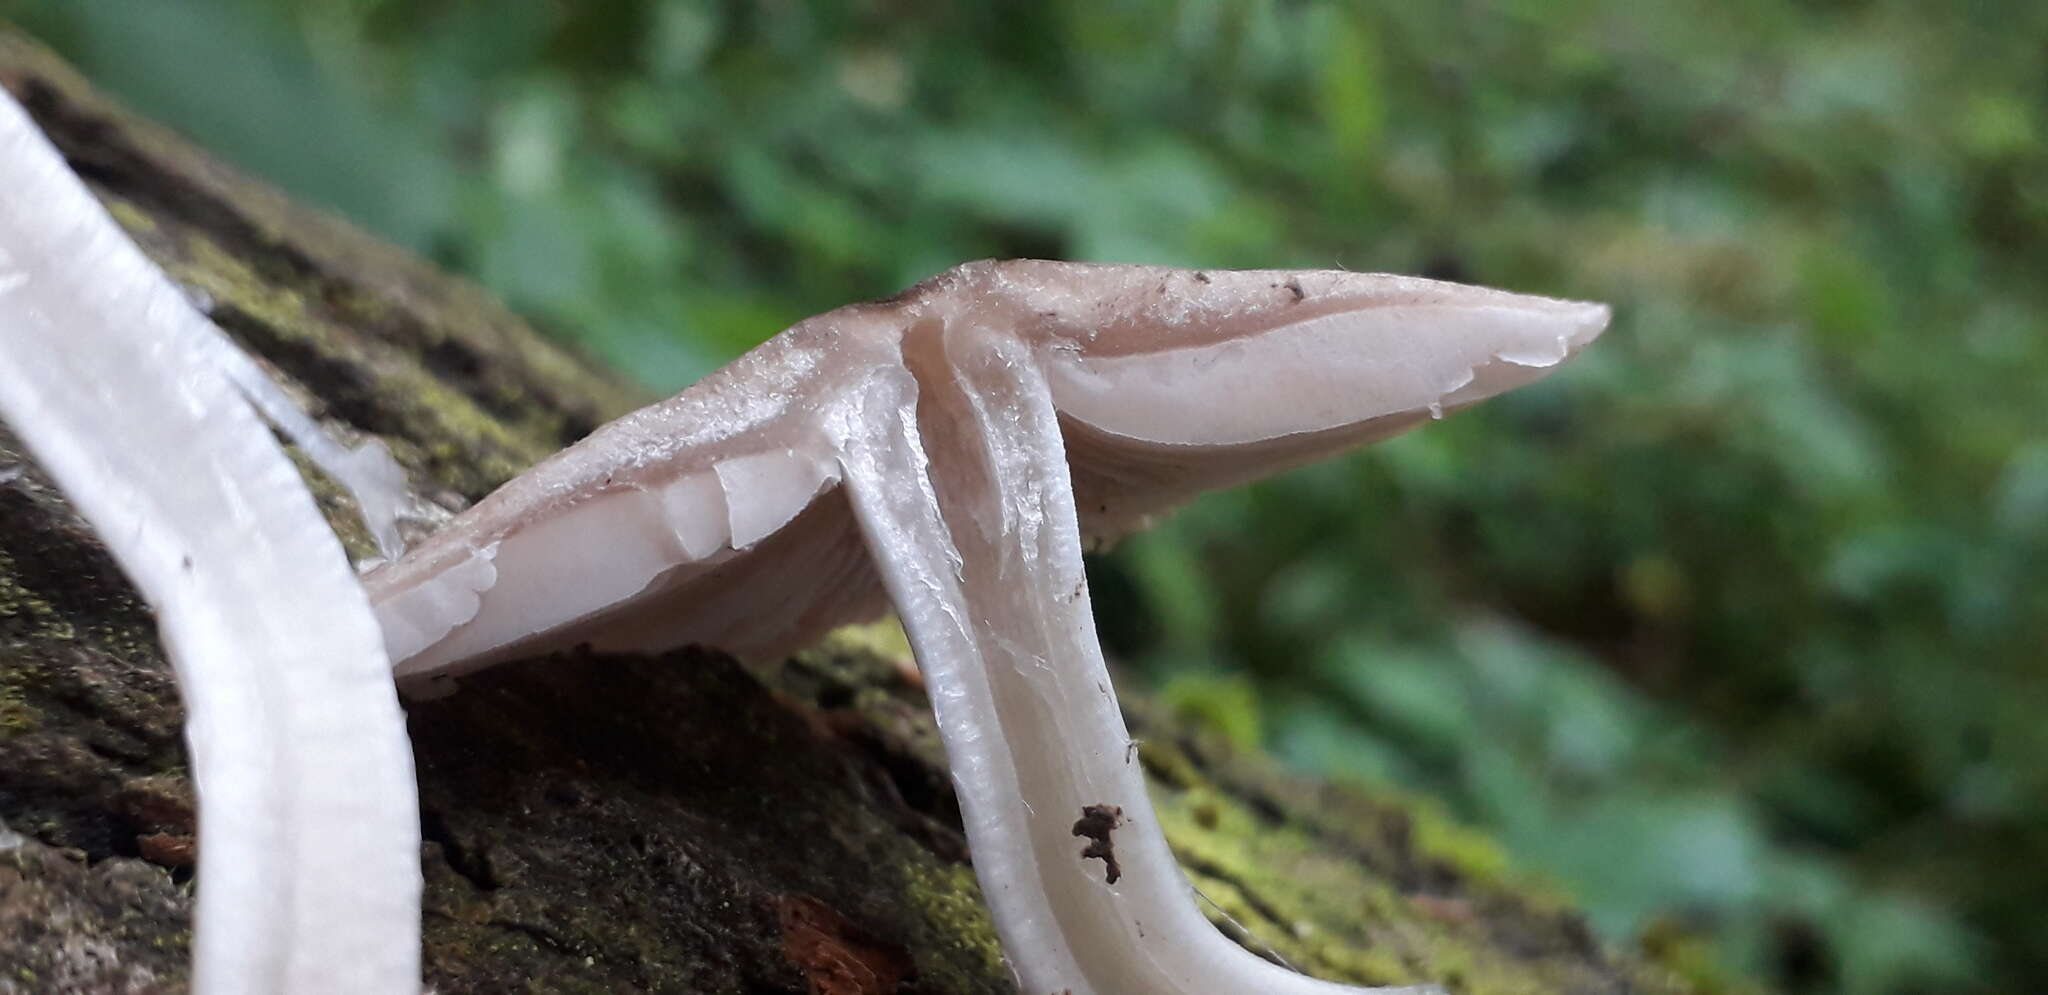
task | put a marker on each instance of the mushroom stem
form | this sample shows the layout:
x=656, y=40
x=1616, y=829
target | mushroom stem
x=959, y=478
x=309, y=877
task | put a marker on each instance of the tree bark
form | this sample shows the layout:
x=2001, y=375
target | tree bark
x=679, y=823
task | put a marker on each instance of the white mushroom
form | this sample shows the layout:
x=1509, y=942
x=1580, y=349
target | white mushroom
x=137, y=407
x=952, y=448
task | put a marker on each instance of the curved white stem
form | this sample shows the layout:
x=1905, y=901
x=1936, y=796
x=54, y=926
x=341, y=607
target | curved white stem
x=309, y=872
x=960, y=480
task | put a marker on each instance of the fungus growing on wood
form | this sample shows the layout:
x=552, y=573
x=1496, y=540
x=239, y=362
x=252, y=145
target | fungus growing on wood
x=950, y=451
x=140, y=410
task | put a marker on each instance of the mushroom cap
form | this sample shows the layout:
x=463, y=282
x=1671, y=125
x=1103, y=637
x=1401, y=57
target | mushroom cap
x=1171, y=382
x=717, y=516
x=714, y=517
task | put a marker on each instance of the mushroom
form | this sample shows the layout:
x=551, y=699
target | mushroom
x=141, y=411
x=951, y=450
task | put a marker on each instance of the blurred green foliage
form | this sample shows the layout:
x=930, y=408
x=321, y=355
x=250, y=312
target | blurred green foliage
x=1738, y=628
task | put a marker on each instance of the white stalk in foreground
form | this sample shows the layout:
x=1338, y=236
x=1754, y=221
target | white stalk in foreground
x=309, y=875
x=952, y=449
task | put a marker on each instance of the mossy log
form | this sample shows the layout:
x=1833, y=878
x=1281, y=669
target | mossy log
x=605, y=824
